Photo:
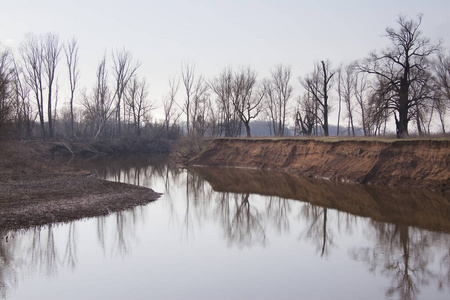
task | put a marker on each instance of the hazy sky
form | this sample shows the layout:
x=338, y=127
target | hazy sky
x=217, y=34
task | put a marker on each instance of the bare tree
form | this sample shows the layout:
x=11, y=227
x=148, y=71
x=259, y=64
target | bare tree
x=136, y=102
x=71, y=52
x=222, y=86
x=278, y=92
x=188, y=77
x=170, y=114
x=377, y=113
x=99, y=105
x=441, y=72
x=198, y=106
x=423, y=109
x=304, y=125
x=32, y=56
x=213, y=115
x=361, y=90
x=403, y=65
x=346, y=90
x=123, y=70
x=51, y=49
x=318, y=85
x=340, y=96
x=40, y=56
x=6, y=85
x=245, y=98
x=25, y=115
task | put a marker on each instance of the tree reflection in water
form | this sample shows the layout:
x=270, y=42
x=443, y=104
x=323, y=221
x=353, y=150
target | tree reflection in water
x=318, y=230
x=243, y=223
x=411, y=258
x=402, y=253
x=70, y=254
x=406, y=255
x=34, y=250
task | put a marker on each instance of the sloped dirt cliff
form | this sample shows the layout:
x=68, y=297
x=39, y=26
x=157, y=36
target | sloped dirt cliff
x=418, y=163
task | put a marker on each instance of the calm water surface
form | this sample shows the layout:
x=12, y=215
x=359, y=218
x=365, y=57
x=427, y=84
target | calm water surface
x=235, y=234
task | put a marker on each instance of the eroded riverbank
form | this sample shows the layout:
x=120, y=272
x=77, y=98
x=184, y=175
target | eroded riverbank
x=415, y=163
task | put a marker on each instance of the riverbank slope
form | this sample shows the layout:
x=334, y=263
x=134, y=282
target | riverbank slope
x=418, y=163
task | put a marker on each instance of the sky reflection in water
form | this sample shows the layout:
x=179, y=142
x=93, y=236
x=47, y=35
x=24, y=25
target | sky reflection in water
x=198, y=243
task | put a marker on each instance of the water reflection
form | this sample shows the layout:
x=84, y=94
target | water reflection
x=38, y=251
x=402, y=240
x=242, y=222
x=402, y=253
x=408, y=256
x=414, y=207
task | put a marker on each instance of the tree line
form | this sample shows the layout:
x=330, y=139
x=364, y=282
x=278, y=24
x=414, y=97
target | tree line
x=408, y=82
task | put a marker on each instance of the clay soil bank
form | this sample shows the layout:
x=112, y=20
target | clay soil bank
x=36, y=189
x=418, y=163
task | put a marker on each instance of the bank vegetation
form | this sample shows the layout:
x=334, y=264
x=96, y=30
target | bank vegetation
x=402, y=89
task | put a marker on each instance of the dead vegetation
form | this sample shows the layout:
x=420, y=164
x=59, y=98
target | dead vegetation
x=188, y=148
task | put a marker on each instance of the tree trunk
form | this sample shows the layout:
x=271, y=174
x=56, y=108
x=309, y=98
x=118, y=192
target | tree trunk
x=363, y=119
x=351, y=123
x=402, y=123
x=247, y=128
x=325, y=121
x=326, y=79
x=339, y=113
x=50, y=119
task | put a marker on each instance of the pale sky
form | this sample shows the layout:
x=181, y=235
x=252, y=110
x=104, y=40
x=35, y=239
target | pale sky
x=218, y=34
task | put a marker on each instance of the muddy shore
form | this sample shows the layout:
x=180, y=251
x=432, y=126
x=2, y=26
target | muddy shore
x=37, y=189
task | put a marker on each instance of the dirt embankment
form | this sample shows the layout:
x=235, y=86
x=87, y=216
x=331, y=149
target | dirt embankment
x=36, y=189
x=418, y=163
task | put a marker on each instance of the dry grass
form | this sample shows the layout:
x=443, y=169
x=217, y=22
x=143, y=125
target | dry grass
x=383, y=139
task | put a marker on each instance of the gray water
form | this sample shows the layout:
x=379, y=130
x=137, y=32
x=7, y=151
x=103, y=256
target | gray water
x=236, y=234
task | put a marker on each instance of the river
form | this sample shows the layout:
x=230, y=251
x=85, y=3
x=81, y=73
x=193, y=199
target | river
x=236, y=234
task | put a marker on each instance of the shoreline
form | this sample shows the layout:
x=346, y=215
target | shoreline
x=408, y=163
x=37, y=190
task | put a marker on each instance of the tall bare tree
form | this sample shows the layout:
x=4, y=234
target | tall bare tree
x=136, y=102
x=71, y=52
x=198, y=107
x=6, y=85
x=99, y=104
x=32, y=56
x=222, y=86
x=40, y=56
x=403, y=65
x=25, y=115
x=346, y=91
x=318, y=85
x=340, y=96
x=441, y=72
x=170, y=114
x=245, y=97
x=188, y=78
x=278, y=92
x=123, y=71
x=51, y=49
x=361, y=95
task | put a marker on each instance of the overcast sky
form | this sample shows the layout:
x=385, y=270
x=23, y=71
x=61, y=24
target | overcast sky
x=217, y=34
